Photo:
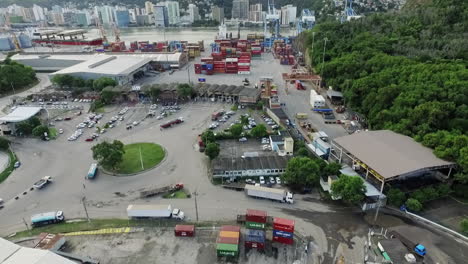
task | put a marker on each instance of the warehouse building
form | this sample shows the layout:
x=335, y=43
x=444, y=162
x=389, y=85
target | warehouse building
x=121, y=68
x=282, y=143
x=45, y=62
x=384, y=156
x=228, y=93
x=278, y=115
x=8, y=123
x=249, y=167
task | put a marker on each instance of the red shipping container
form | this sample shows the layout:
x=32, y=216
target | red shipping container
x=228, y=240
x=257, y=216
x=257, y=245
x=184, y=230
x=283, y=240
x=282, y=224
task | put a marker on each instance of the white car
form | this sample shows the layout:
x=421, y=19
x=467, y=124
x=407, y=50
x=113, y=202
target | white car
x=278, y=180
x=242, y=139
x=262, y=180
x=272, y=180
x=135, y=123
x=60, y=131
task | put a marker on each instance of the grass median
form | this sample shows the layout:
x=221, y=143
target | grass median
x=11, y=166
x=139, y=157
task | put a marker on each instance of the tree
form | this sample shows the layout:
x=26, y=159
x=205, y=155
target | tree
x=107, y=96
x=34, y=121
x=259, y=131
x=24, y=128
x=153, y=92
x=302, y=171
x=464, y=225
x=208, y=137
x=350, y=188
x=4, y=143
x=413, y=205
x=302, y=152
x=244, y=120
x=40, y=130
x=212, y=150
x=396, y=197
x=236, y=130
x=103, y=82
x=109, y=155
x=332, y=168
x=63, y=80
x=184, y=90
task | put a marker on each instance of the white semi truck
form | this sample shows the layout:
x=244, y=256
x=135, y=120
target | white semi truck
x=154, y=211
x=279, y=195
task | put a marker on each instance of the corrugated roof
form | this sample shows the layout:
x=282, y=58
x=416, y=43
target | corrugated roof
x=11, y=253
x=390, y=154
x=20, y=114
x=252, y=163
x=105, y=64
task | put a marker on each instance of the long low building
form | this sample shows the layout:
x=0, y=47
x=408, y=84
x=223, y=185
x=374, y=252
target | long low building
x=228, y=93
x=8, y=123
x=249, y=167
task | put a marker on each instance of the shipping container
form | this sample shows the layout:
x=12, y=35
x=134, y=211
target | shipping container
x=282, y=224
x=230, y=228
x=229, y=234
x=184, y=230
x=258, y=216
x=254, y=225
x=283, y=240
x=257, y=245
x=280, y=233
x=255, y=235
x=227, y=240
x=227, y=250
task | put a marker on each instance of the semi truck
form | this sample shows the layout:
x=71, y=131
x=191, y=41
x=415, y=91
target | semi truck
x=42, y=182
x=273, y=194
x=172, y=122
x=416, y=248
x=47, y=218
x=154, y=211
x=161, y=190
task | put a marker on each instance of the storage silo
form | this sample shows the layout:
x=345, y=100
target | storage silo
x=6, y=43
x=24, y=41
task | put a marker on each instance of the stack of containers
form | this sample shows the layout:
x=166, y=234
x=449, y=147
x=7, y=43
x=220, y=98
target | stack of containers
x=255, y=239
x=198, y=68
x=219, y=66
x=227, y=244
x=255, y=219
x=231, y=65
x=283, y=231
x=184, y=230
x=256, y=50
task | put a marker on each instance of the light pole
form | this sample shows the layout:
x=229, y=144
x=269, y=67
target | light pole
x=13, y=87
x=323, y=57
x=313, y=41
x=196, y=204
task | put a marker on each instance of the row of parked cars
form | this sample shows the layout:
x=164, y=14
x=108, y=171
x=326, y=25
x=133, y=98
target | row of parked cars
x=270, y=122
x=271, y=180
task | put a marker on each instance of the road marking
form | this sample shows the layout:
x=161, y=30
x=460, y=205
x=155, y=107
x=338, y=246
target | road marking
x=101, y=231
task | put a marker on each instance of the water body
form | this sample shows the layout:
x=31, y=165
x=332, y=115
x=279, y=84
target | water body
x=183, y=34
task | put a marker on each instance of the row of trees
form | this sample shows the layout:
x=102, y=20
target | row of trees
x=32, y=126
x=184, y=90
x=415, y=201
x=14, y=75
x=405, y=72
x=66, y=81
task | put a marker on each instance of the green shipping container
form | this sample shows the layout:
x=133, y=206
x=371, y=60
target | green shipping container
x=254, y=225
x=229, y=250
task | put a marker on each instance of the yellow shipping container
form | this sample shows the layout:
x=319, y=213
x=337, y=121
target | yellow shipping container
x=229, y=234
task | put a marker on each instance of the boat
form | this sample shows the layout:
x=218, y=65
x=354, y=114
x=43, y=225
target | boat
x=68, y=37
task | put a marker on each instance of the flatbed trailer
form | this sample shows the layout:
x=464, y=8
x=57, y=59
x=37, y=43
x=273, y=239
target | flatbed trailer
x=162, y=190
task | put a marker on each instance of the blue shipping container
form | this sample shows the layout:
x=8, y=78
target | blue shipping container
x=279, y=233
x=209, y=66
x=255, y=233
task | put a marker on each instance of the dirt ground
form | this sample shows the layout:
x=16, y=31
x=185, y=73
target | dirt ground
x=159, y=246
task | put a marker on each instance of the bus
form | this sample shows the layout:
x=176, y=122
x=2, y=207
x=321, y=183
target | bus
x=47, y=218
x=92, y=171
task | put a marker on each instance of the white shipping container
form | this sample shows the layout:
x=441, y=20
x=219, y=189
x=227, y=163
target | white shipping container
x=266, y=193
x=243, y=64
x=149, y=210
x=317, y=101
x=243, y=72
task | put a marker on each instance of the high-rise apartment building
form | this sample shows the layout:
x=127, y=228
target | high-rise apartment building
x=106, y=14
x=217, y=13
x=38, y=13
x=173, y=12
x=240, y=9
x=193, y=13
x=83, y=19
x=288, y=14
x=57, y=18
x=149, y=7
x=122, y=18
x=161, y=18
x=255, y=13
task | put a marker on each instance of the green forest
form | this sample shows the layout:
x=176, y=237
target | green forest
x=14, y=76
x=404, y=71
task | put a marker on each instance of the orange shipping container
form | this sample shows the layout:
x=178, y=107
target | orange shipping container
x=229, y=234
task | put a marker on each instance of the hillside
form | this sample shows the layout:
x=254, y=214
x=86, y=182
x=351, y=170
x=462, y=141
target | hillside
x=405, y=71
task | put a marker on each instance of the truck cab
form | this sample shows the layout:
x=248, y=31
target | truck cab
x=59, y=215
x=178, y=214
x=420, y=250
x=289, y=198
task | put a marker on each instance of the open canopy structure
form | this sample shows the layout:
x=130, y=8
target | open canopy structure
x=20, y=114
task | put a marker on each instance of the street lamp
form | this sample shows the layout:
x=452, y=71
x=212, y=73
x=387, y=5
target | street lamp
x=323, y=57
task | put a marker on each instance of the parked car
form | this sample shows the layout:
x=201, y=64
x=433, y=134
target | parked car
x=262, y=180
x=60, y=131
x=17, y=164
x=89, y=139
x=242, y=139
x=278, y=180
x=272, y=180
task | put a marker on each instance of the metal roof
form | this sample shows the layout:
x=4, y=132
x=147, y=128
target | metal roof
x=333, y=93
x=390, y=154
x=20, y=114
x=11, y=253
x=105, y=64
x=251, y=163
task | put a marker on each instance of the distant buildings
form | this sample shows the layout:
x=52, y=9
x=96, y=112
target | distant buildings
x=288, y=14
x=149, y=7
x=217, y=13
x=255, y=13
x=161, y=18
x=106, y=14
x=38, y=13
x=240, y=9
x=173, y=12
x=193, y=13
x=83, y=19
x=122, y=18
x=142, y=20
x=57, y=19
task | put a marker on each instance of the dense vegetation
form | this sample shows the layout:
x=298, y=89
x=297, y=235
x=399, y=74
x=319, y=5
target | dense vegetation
x=14, y=75
x=406, y=72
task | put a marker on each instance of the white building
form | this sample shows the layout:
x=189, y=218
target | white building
x=288, y=14
x=217, y=13
x=255, y=13
x=240, y=9
x=149, y=7
x=106, y=14
x=173, y=12
x=193, y=13
x=38, y=13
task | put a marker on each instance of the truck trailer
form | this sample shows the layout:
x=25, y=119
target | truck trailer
x=47, y=218
x=273, y=194
x=154, y=211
